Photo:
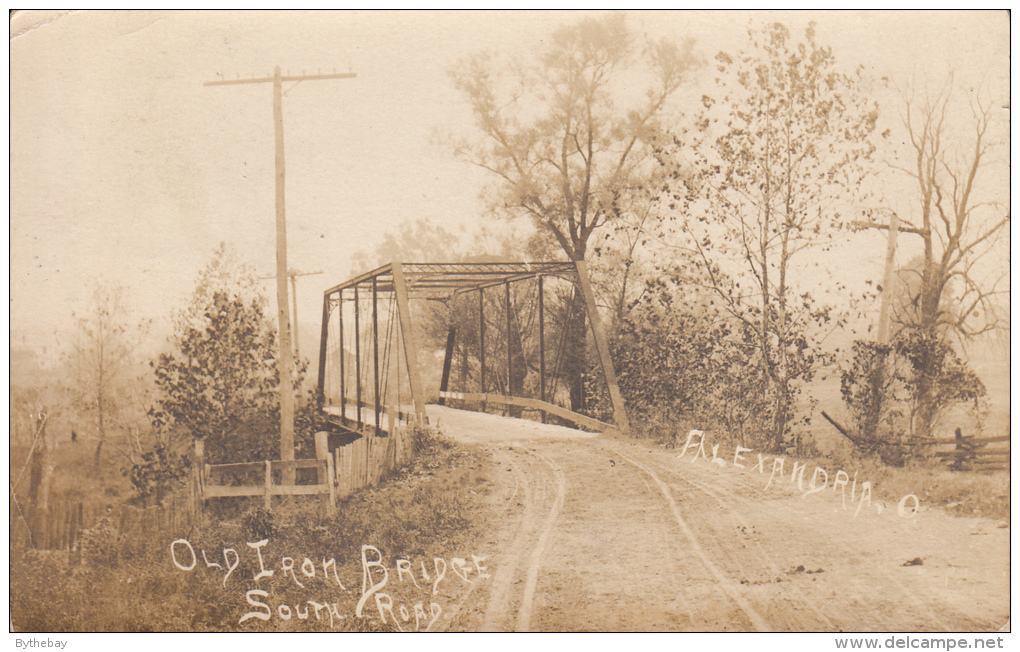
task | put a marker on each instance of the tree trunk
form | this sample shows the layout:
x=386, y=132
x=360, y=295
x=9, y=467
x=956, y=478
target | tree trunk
x=781, y=415
x=36, y=498
x=930, y=363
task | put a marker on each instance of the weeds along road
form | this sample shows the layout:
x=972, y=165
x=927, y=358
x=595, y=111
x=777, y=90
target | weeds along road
x=597, y=533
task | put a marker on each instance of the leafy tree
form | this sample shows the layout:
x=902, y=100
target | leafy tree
x=937, y=378
x=775, y=159
x=870, y=389
x=218, y=383
x=566, y=138
x=157, y=472
x=881, y=388
x=678, y=356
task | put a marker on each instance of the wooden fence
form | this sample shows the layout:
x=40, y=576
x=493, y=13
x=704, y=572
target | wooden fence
x=366, y=460
x=962, y=453
x=267, y=486
x=974, y=453
x=60, y=526
x=532, y=404
x=360, y=463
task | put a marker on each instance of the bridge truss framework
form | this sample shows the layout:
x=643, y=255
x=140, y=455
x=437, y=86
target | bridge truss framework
x=367, y=408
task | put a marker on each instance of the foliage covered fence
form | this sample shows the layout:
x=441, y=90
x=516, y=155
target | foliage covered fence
x=351, y=465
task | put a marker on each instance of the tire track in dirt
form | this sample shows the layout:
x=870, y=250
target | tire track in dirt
x=499, y=602
x=725, y=583
x=613, y=564
x=522, y=560
x=864, y=592
x=528, y=599
x=905, y=599
x=766, y=559
x=584, y=543
x=713, y=492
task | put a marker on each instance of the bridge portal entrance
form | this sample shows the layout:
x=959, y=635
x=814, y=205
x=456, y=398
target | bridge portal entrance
x=485, y=336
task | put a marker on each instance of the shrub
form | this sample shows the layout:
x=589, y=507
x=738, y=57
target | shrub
x=257, y=523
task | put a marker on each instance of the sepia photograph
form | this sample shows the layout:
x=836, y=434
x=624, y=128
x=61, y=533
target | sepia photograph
x=684, y=322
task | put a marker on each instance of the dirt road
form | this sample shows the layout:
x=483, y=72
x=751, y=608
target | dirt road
x=598, y=533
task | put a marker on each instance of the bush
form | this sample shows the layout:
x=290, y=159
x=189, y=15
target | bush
x=681, y=363
x=905, y=387
x=257, y=523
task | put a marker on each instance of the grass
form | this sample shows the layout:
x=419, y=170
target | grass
x=962, y=493
x=130, y=583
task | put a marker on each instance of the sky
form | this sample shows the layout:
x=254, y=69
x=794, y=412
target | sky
x=125, y=169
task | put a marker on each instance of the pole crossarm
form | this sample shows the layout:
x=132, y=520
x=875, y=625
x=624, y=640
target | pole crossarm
x=283, y=78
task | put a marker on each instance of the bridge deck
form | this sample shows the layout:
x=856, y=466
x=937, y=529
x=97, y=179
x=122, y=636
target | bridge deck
x=481, y=428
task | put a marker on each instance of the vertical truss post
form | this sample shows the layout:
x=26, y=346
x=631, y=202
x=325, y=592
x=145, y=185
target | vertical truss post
x=375, y=352
x=541, y=344
x=481, y=340
x=602, y=346
x=509, y=350
x=444, y=384
x=410, y=341
x=343, y=354
x=357, y=355
x=323, y=341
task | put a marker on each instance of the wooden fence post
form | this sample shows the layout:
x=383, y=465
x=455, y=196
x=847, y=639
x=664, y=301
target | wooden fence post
x=269, y=485
x=330, y=473
x=322, y=454
x=198, y=476
x=321, y=445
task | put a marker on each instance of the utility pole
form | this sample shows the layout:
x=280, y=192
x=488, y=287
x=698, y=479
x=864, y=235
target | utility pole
x=894, y=228
x=884, y=317
x=293, y=287
x=286, y=355
x=890, y=261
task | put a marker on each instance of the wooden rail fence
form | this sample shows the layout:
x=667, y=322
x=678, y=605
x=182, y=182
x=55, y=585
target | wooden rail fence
x=973, y=452
x=360, y=463
x=532, y=404
x=267, y=487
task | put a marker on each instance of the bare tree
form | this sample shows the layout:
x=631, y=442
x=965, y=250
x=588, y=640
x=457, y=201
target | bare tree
x=957, y=227
x=102, y=361
x=960, y=224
